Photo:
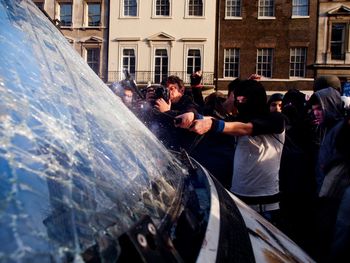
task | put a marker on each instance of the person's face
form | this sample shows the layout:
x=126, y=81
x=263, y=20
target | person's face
x=229, y=104
x=318, y=113
x=175, y=92
x=276, y=106
x=127, y=98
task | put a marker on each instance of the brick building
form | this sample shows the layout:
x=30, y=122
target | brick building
x=276, y=39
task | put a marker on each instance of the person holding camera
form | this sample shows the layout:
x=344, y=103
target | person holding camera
x=168, y=102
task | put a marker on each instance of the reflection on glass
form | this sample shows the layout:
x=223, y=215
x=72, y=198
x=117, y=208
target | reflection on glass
x=94, y=14
x=77, y=167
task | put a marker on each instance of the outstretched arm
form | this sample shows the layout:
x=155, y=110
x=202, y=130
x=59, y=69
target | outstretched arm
x=232, y=128
x=207, y=123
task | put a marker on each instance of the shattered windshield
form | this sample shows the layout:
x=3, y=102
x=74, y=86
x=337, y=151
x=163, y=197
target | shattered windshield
x=74, y=161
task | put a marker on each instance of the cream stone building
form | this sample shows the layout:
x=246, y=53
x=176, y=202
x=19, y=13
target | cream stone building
x=333, y=45
x=155, y=38
x=84, y=23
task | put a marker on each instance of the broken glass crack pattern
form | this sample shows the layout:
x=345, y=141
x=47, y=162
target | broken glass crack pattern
x=75, y=163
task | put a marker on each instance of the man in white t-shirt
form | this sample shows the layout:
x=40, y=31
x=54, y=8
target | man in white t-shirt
x=260, y=138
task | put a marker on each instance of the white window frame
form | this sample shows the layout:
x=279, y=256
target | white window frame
x=300, y=53
x=159, y=45
x=194, y=58
x=187, y=2
x=154, y=64
x=154, y=10
x=187, y=47
x=266, y=53
x=121, y=14
x=121, y=56
x=234, y=62
x=232, y=4
x=261, y=4
x=296, y=4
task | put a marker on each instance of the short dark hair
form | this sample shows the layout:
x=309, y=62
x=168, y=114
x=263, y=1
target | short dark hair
x=275, y=97
x=233, y=85
x=172, y=79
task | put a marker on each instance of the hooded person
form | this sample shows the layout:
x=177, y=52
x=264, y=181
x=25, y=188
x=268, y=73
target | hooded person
x=260, y=137
x=328, y=114
x=293, y=106
x=253, y=102
x=257, y=183
x=327, y=110
x=296, y=174
x=332, y=169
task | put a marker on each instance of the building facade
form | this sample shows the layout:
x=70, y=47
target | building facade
x=155, y=38
x=333, y=45
x=275, y=39
x=85, y=25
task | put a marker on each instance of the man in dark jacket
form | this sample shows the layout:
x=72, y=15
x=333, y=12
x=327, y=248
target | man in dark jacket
x=328, y=111
x=327, y=108
x=165, y=111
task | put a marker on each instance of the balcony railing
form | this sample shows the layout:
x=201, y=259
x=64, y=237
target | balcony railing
x=144, y=77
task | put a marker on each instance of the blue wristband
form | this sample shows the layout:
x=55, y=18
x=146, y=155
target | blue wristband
x=198, y=116
x=221, y=126
x=217, y=125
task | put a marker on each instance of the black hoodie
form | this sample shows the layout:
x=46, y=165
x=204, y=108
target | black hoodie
x=332, y=107
x=255, y=109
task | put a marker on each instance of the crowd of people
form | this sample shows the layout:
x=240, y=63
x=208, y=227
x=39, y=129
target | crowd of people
x=285, y=156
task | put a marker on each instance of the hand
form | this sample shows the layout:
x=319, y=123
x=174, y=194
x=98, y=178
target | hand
x=196, y=78
x=186, y=120
x=162, y=105
x=201, y=126
x=255, y=77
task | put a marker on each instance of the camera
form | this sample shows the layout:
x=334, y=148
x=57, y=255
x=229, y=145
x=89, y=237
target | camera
x=161, y=92
x=154, y=92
